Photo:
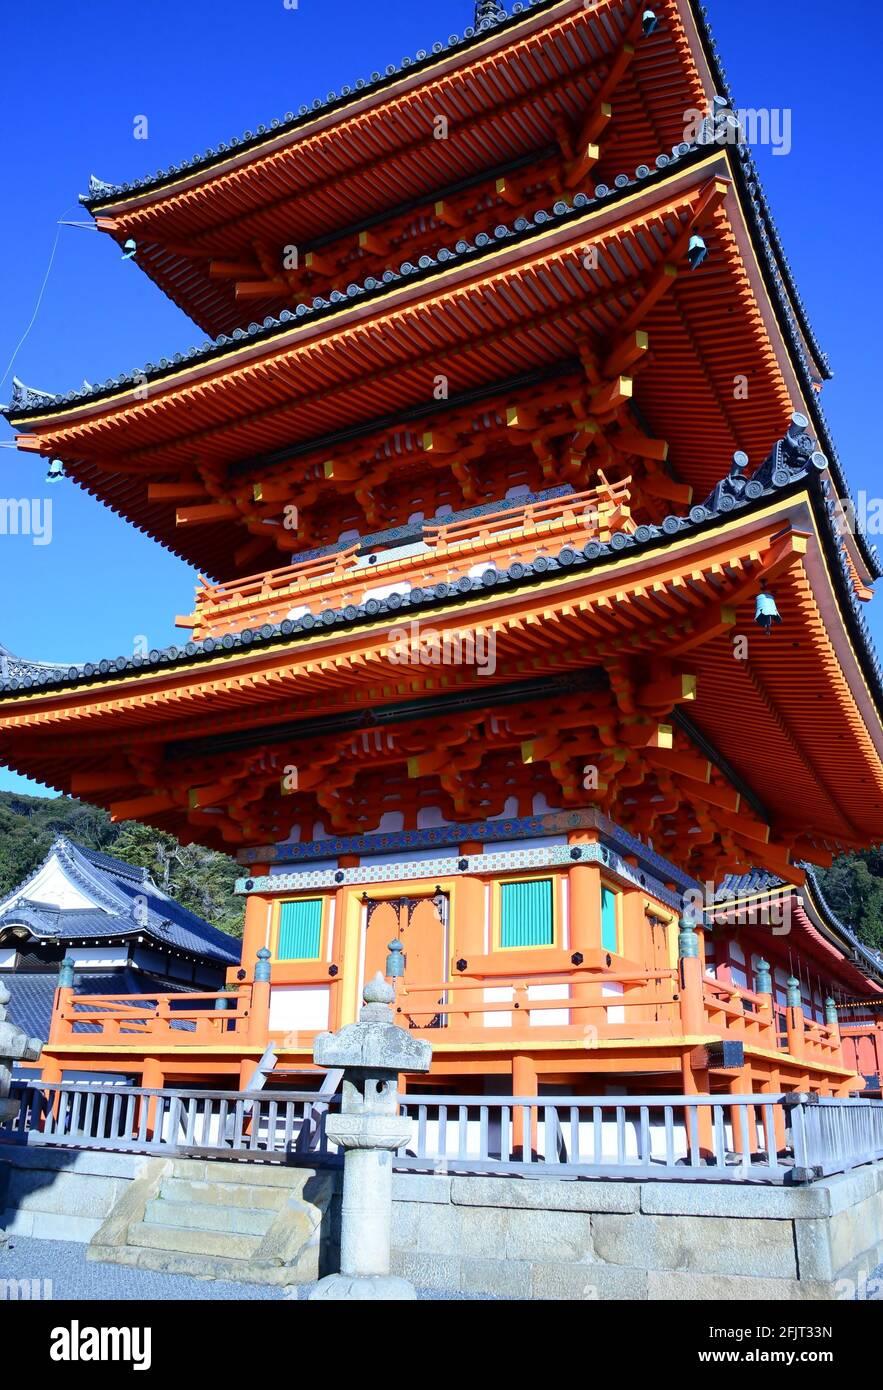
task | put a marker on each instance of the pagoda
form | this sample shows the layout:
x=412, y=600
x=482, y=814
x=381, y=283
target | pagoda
x=528, y=610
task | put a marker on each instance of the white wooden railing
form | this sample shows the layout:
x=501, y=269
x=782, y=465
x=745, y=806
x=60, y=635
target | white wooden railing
x=793, y=1138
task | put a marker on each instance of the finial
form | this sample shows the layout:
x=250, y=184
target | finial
x=262, y=969
x=688, y=941
x=395, y=961
x=377, y=991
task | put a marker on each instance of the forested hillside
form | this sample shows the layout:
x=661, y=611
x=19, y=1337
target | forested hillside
x=199, y=878
x=853, y=887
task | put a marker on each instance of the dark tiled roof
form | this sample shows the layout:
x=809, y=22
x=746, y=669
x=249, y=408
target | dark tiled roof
x=14, y=667
x=27, y=401
x=871, y=957
x=32, y=994
x=759, y=881
x=113, y=886
x=746, y=885
x=30, y=1003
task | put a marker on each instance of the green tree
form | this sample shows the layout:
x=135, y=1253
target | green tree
x=200, y=879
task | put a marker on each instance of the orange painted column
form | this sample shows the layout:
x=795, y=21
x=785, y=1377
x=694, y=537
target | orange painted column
x=257, y=917
x=466, y=937
x=690, y=984
x=338, y=956
x=584, y=920
x=524, y=1083
x=152, y=1079
x=695, y=1080
x=772, y=1086
x=833, y=1022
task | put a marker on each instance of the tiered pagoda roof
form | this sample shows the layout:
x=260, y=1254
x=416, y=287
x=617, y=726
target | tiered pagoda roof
x=589, y=306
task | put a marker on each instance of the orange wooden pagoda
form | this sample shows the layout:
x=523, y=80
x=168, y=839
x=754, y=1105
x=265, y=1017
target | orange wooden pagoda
x=501, y=460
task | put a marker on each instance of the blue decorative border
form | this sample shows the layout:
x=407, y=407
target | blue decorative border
x=498, y=862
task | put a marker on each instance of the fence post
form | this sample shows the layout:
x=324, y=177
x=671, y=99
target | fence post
x=796, y=1022
x=59, y=1026
x=763, y=986
x=259, y=1015
x=690, y=979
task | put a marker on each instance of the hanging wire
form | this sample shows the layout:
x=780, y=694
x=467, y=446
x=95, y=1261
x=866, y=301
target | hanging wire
x=23, y=339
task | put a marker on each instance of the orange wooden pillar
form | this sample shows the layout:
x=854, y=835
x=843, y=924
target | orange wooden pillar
x=584, y=921
x=152, y=1079
x=338, y=953
x=833, y=1022
x=772, y=1081
x=256, y=931
x=466, y=934
x=524, y=1083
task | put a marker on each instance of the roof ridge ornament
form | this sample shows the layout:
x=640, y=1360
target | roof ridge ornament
x=98, y=188
x=489, y=13
x=29, y=397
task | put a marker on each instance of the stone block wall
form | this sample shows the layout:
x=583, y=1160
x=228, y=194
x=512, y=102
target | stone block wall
x=61, y=1194
x=542, y=1239
x=539, y=1239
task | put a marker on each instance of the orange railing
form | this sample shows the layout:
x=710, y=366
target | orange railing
x=516, y=533
x=736, y=1012
x=863, y=1049
x=185, y=1019
x=591, y=1015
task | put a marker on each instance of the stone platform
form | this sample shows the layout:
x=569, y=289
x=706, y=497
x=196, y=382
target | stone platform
x=463, y=1236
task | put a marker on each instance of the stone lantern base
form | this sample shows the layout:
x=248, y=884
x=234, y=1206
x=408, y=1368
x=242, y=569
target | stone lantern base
x=355, y=1288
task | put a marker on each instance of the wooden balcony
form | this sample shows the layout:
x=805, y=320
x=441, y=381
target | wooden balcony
x=449, y=550
x=588, y=1005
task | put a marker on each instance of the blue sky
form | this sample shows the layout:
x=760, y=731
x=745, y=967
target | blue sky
x=78, y=75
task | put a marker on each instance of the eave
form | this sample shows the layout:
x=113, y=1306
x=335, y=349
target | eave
x=759, y=715
x=183, y=406
x=358, y=157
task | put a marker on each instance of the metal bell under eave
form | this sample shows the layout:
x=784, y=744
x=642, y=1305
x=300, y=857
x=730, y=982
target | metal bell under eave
x=650, y=22
x=56, y=471
x=766, y=612
x=129, y=249
x=697, y=251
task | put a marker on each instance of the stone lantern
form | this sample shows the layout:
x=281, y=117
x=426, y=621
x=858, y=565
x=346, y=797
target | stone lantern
x=372, y=1054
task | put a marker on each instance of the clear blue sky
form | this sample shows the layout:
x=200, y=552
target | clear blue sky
x=78, y=74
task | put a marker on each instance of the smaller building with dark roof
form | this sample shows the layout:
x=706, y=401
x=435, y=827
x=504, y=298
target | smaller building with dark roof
x=124, y=933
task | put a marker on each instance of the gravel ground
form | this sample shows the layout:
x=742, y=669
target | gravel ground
x=72, y=1276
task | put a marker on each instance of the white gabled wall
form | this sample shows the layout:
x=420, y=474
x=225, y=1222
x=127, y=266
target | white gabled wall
x=52, y=886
